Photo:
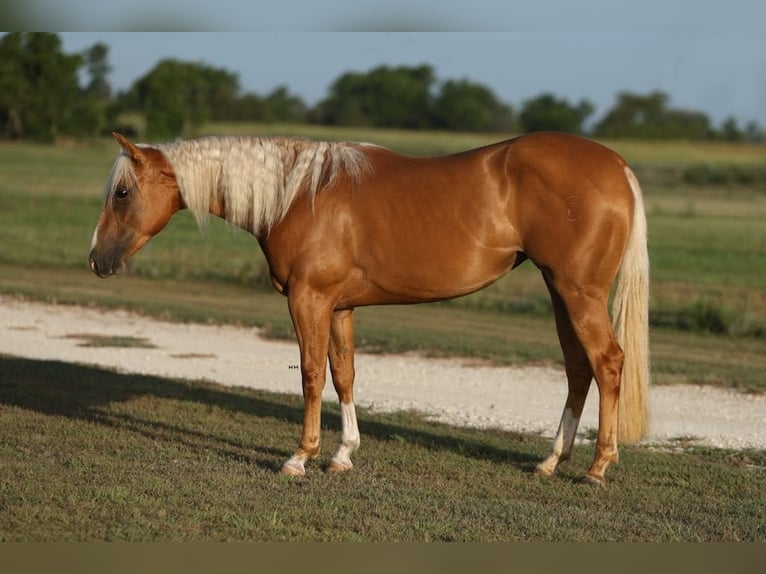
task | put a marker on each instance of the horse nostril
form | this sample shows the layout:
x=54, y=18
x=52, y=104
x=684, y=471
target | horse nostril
x=93, y=265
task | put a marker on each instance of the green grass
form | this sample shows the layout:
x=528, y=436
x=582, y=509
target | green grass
x=88, y=454
x=66, y=170
x=709, y=249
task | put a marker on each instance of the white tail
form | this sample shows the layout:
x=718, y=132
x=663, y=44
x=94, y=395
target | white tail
x=630, y=313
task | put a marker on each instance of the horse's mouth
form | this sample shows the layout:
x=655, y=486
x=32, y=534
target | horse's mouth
x=105, y=269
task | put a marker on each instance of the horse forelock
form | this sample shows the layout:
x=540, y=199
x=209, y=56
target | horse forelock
x=122, y=174
x=257, y=179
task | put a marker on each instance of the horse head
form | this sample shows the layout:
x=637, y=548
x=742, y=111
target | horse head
x=141, y=196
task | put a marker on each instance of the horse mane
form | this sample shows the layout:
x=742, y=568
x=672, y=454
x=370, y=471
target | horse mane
x=256, y=178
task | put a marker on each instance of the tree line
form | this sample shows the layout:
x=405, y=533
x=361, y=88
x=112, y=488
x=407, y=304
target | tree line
x=45, y=93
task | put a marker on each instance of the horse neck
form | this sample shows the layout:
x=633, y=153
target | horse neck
x=251, y=182
x=217, y=205
x=235, y=179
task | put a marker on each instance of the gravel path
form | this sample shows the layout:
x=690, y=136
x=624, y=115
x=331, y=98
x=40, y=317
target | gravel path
x=449, y=390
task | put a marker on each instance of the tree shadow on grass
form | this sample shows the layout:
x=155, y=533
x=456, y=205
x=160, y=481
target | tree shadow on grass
x=85, y=392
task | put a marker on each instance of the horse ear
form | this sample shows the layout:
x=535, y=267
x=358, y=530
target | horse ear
x=131, y=149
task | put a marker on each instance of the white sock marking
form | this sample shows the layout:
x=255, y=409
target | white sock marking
x=349, y=435
x=562, y=443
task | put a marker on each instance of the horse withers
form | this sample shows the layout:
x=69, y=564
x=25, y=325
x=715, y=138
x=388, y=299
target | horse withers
x=343, y=225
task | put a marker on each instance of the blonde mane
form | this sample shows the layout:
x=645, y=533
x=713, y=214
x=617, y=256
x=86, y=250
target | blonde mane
x=255, y=178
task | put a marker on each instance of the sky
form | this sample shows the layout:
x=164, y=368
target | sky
x=711, y=60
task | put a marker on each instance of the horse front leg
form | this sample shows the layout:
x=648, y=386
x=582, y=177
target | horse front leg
x=342, y=368
x=311, y=314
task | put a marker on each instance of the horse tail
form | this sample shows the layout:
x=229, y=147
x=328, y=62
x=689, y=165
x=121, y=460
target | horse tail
x=630, y=313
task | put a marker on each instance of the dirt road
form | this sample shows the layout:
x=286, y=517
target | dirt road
x=524, y=399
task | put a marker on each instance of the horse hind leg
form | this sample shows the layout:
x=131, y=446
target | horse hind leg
x=341, y=355
x=579, y=375
x=590, y=320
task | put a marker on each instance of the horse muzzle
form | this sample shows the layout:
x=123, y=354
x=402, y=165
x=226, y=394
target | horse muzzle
x=104, y=266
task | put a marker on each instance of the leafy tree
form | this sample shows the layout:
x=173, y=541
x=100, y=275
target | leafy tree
x=347, y=102
x=96, y=107
x=247, y=108
x=462, y=105
x=98, y=67
x=730, y=130
x=401, y=97
x=649, y=116
x=383, y=97
x=13, y=84
x=39, y=93
x=220, y=91
x=634, y=116
x=754, y=132
x=177, y=96
x=686, y=124
x=282, y=106
x=546, y=112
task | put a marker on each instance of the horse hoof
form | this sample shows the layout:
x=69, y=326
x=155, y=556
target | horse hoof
x=339, y=466
x=544, y=469
x=593, y=481
x=293, y=468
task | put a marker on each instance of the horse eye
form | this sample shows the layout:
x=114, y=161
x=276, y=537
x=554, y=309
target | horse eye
x=121, y=193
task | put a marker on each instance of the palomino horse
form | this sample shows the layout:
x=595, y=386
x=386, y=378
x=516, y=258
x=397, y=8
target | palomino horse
x=344, y=225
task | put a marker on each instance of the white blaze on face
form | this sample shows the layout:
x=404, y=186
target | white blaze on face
x=94, y=241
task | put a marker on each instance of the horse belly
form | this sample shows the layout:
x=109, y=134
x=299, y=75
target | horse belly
x=437, y=270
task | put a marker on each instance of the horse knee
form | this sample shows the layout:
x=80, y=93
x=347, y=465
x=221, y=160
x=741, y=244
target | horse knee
x=343, y=381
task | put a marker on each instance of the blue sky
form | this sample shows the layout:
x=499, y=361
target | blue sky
x=712, y=59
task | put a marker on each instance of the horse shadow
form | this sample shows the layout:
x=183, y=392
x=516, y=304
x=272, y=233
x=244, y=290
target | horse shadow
x=84, y=392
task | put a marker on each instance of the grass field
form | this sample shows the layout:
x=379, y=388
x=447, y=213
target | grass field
x=87, y=454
